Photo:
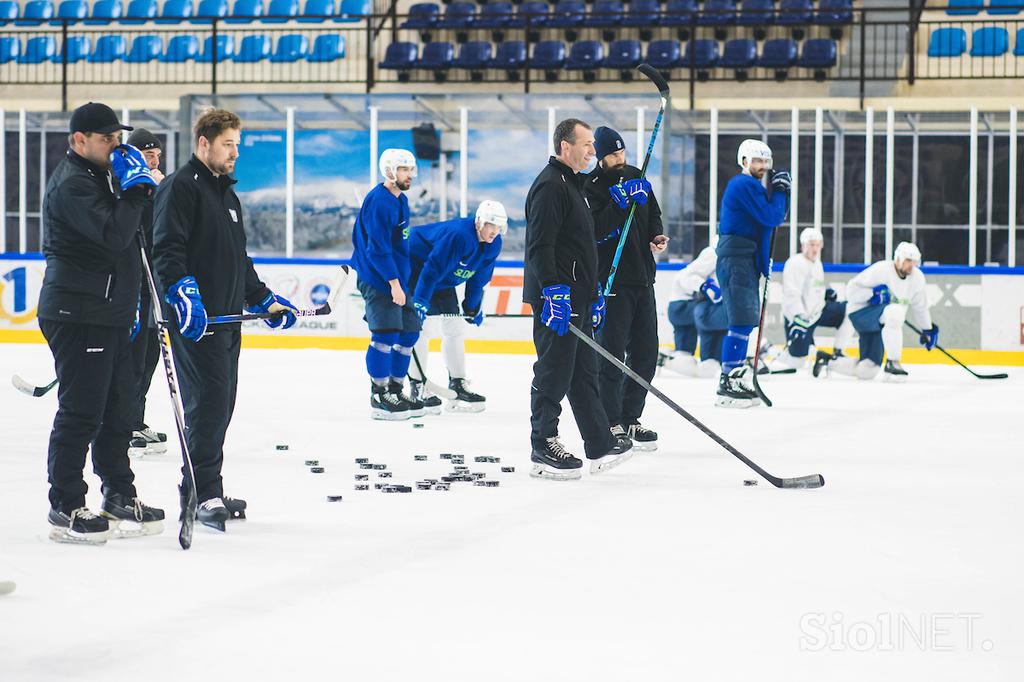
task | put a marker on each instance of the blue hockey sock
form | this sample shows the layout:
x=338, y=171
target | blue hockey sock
x=734, y=347
x=401, y=354
x=378, y=356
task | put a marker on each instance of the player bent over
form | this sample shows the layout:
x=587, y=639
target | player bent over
x=879, y=300
x=444, y=256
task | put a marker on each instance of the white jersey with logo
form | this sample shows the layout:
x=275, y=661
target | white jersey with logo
x=688, y=280
x=803, y=288
x=908, y=292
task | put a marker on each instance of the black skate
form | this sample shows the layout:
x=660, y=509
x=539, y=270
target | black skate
x=80, y=527
x=622, y=450
x=416, y=407
x=418, y=391
x=821, y=360
x=129, y=517
x=551, y=460
x=213, y=513
x=387, y=405
x=235, y=507
x=644, y=440
x=465, y=399
x=894, y=372
x=138, y=446
x=734, y=392
x=156, y=443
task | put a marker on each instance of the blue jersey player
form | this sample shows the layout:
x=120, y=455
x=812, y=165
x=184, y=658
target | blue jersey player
x=380, y=254
x=748, y=217
x=446, y=255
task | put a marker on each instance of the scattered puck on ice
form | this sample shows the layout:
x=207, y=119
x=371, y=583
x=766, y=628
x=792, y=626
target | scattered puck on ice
x=446, y=455
x=362, y=486
x=420, y=458
x=365, y=465
x=486, y=484
x=384, y=474
x=378, y=486
x=441, y=486
x=362, y=460
x=508, y=470
x=334, y=498
x=312, y=462
x=378, y=466
x=477, y=475
x=461, y=468
x=417, y=426
x=316, y=470
x=281, y=447
x=423, y=485
x=362, y=477
x=750, y=481
x=487, y=459
x=396, y=489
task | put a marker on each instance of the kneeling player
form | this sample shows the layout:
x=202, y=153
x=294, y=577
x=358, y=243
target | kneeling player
x=712, y=320
x=445, y=255
x=686, y=294
x=879, y=299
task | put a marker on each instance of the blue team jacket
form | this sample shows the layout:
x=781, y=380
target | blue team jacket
x=446, y=254
x=380, y=239
x=747, y=220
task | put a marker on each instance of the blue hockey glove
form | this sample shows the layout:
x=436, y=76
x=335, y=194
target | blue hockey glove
x=137, y=325
x=597, y=312
x=798, y=329
x=831, y=295
x=930, y=337
x=472, y=316
x=638, y=190
x=619, y=196
x=272, y=303
x=188, y=307
x=129, y=165
x=711, y=290
x=880, y=295
x=557, y=308
x=781, y=181
x=421, y=308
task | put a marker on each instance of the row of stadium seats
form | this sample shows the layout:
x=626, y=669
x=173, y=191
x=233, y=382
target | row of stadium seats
x=178, y=11
x=180, y=49
x=956, y=7
x=990, y=41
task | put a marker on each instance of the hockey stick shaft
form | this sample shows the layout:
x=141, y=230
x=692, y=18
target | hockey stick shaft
x=663, y=90
x=812, y=481
x=436, y=389
x=325, y=309
x=760, y=324
x=1000, y=375
x=510, y=316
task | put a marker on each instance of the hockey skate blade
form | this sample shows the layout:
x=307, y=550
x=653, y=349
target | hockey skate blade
x=121, y=529
x=645, y=447
x=386, y=416
x=220, y=526
x=553, y=474
x=608, y=462
x=736, y=403
x=68, y=537
x=433, y=411
x=896, y=378
x=462, y=406
x=812, y=481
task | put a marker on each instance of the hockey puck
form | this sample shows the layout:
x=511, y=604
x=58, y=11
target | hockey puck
x=365, y=465
x=316, y=470
x=378, y=486
x=379, y=467
x=486, y=484
x=508, y=470
x=362, y=460
x=362, y=477
x=487, y=459
x=362, y=486
x=420, y=458
x=281, y=447
x=477, y=475
x=417, y=426
x=446, y=455
x=312, y=462
x=441, y=486
x=750, y=481
x=461, y=468
x=384, y=474
x=334, y=498
x=423, y=485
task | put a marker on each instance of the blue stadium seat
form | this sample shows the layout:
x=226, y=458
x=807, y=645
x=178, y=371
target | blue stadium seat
x=38, y=50
x=245, y=11
x=423, y=16
x=175, y=12
x=437, y=57
x=536, y=13
x=77, y=48
x=108, y=49
x=10, y=49
x=605, y=13
x=140, y=11
x=494, y=15
x=794, y=13
x=739, y=54
x=678, y=13
x=1018, y=48
x=819, y=53
x=642, y=13
x=474, y=55
x=718, y=13
x=33, y=14
x=756, y=13
x=703, y=52
x=352, y=11
x=623, y=55
x=956, y=7
x=181, y=49
x=778, y=53
x=947, y=42
x=316, y=11
x=663, y=55
x=585, y=55
x=990, y=41
x=71, y=10
x=400, y=56
x=834, y=12
x=145, y=49
x=253, y=49
x=1004, y=6
x=104, y=12
x=458, y=15
x=281, y=11
x=327, y=48
x=208, y=10
x=567, y=14
x=548, y=55
x=291, y=47
x=509, y=55
x=8, y=13
x=225, y=49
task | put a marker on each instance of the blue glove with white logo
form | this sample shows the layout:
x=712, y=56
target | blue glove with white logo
x=557, y=308
x=472, y=316
x=421, y=308
x=711, y=290
x=798, y=329
x=272, y=303
x=137, y=325
x=930, y=337
x=597, y=310
x=638, y=190
x=880, y=295
x=129, y=165
x=188, y=307
x=619, y=196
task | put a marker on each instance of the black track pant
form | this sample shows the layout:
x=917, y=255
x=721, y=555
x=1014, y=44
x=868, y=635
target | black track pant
x=567, y=367
x=630, y=333
x=96, y=405
x=145, y=357
x=208, y=372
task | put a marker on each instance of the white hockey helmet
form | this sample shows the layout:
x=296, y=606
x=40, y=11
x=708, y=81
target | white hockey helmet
x=392, y=159
x=907, y=251
x=493, y=212
x=753, y=149
x=811, y=234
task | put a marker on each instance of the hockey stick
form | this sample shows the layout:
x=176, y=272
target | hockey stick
x=189, y=504
x=1000, y=375
x=325, y=309
x=508, y=316
x=760, y=324
x=655, y=76
x=29, y=389
x=436, y=389
x=812, y=481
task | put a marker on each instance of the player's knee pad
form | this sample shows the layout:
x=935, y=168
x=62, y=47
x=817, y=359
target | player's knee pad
x=383, y=341
x=406, y=340
x=741, y=331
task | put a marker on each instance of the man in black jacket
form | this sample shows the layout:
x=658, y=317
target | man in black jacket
x=631, y=333
x=203, y=269
x=92, y=210
x=560, y=283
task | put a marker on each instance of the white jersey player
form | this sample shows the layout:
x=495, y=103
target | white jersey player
x=691, y=285
x=879, y=300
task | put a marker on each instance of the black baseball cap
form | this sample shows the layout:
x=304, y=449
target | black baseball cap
x=95, y=117
x=142, y=139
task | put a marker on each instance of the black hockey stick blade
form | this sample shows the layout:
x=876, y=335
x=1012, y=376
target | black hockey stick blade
x=812, y=481
x=1000, y=375
x=788, y=370
x=656, y=78
x=29, y=389
x=325, y=309
x=188, y=514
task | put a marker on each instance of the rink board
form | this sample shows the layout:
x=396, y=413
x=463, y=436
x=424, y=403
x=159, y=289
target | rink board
x=980, y=310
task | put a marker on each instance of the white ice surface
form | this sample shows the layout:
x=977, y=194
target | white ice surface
x=666, y=568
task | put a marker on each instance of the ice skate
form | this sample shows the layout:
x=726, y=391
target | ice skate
x=431, y=403
x=236, y=507
x=644, y=440
x=155, y=442
x=386, y=405
x=734, y=392
x=821, y=360
x=622, y=451
x=416, y=407
x=213, y=514
x=551, y=460
x=894, y=372
x=128, y=517
x=465, y=400
x=80, y=527
x=138, y=447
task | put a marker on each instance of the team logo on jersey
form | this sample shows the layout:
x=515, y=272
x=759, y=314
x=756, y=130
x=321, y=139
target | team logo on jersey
x=463, y=273
x=234, y=216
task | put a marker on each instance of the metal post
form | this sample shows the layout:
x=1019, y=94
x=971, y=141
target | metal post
x=370, y=46
x=126, y=116
x=640, y=125
x=863, y=63
x=890, y=172
x=289, y=183
x=972, y=196
x=794, y=162
x=215, y=57
x=442, y=209
x=1011, y=204
x=914, y=174
x=172, y=149
x=838, y=192
x=818, y=155
x=869, y=179
x=713, y=180
x=373, y=147
x=551, y=125
x=42, y=178
x=64, y=65
x=988, y=191
x=22, y=180
x=463, y=162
